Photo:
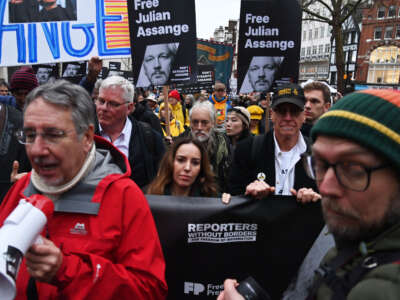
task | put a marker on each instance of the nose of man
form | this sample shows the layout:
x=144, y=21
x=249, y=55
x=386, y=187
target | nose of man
x=38, y=147
x=329, y=185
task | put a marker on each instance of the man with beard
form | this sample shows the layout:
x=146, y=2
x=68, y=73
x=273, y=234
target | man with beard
x=157, y=64
x=202, y=122
x=53, y=12
x=261, y=74
x=356, y=163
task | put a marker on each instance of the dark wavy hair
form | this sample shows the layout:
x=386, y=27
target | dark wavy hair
x=205, y=181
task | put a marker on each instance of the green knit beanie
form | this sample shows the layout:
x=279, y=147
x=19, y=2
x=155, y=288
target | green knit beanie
x=370, y=118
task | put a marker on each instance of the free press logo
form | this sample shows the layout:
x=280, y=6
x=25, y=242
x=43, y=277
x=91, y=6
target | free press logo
x=200, y=289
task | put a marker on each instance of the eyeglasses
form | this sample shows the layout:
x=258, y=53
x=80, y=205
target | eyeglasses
x=110, y=104
x=350, y=175
x=49, y=135
x=293, y=111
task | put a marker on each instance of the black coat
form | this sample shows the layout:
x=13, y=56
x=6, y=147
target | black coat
x=244, y=169
x=143, y=113
x=146, y=149
x=10, y=148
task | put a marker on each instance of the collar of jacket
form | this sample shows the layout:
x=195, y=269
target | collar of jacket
x=216, y=100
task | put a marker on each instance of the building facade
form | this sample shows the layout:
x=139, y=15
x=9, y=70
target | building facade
x=315, y=47
x=351, y=29
x=378, y=61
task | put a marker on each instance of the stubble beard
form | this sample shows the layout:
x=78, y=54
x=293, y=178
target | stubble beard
x=363, y=231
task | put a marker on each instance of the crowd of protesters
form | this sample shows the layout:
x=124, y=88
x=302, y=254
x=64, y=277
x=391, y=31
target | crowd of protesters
x=207, y=144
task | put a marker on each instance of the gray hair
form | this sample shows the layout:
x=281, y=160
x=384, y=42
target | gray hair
x=207, y=105
x=124, y=84
x=67, y=95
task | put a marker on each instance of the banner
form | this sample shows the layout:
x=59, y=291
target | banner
x=163, y=35
x=217, y=54
x=74, y=31
x=269, y=44
x=205, y=241
x=205, y=79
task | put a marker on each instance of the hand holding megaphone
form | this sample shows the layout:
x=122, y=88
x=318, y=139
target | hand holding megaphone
x=19, y=231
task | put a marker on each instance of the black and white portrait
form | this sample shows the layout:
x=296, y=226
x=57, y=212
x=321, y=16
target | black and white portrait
x=261, y=74
x=157, y=64
x=72, y=70
x=45, y=74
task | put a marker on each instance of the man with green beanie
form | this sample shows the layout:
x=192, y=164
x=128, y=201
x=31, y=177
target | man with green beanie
x=356, y=164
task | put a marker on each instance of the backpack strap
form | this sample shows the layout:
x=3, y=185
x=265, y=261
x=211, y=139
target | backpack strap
x=341, y=286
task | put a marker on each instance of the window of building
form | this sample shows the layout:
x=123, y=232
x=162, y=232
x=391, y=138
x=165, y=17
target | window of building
x=327, y=48
x=322, y=32
x=354, y=56
x=384, y=65
x=398, y=32
x=392, y=11
x=349, y=38
x=304, y=35
x=302, y=52
x=378, y=33
x=314, y=50
x=388, y=32
x=310, y=34
x=355, y=37
x=320, y=49
x=315, y=33
x=308, y=51
x=381, y=12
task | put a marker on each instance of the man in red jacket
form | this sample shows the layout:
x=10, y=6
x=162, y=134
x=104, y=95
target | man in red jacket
x=101, y=242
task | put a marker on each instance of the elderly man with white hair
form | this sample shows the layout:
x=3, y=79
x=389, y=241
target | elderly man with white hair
x=202, y=121
x=142, y=145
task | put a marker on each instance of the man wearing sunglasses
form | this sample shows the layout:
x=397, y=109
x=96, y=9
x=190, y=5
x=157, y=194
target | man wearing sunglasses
x=270, y=164
x=356, y=164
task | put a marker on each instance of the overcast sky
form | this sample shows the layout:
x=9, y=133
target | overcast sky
x=212, y=13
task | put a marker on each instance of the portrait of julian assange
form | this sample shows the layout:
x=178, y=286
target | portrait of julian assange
x=157, y=64
x=261, y=74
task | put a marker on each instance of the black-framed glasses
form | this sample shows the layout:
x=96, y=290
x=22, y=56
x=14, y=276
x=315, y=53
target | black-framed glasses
x=110, y=104
x=350, y=175
x=49, y=135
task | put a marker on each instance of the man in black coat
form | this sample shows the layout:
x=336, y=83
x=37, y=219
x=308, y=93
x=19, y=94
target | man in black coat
x=142, y=145
x=10, y=149
x=271, y=163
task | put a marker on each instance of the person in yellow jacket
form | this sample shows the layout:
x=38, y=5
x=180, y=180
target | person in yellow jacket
x=179, y=112
x=256, y=114
x=175, y=127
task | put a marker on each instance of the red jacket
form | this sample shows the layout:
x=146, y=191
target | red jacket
x=106, y=233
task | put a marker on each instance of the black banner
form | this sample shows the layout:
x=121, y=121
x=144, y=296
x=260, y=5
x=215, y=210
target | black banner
x=205, y=241
x=163, y=41
x=269, y=44
x=205, y=79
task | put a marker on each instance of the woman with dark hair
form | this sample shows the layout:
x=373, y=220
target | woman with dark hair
x=184, y=171
x=237, y=124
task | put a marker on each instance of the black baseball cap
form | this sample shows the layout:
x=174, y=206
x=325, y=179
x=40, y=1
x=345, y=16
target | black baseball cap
x=289, y=93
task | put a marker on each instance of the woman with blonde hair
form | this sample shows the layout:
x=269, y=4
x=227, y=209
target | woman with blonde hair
x=184, y=171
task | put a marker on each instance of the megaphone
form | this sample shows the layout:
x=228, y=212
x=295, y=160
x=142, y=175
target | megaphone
x=20, y=230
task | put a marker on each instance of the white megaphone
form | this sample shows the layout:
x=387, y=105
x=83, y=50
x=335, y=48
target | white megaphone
x=19, y=231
